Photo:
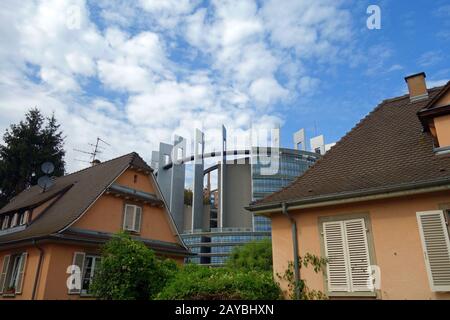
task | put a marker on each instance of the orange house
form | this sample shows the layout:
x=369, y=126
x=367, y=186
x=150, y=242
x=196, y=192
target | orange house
x=377, y=205
x=44, y=234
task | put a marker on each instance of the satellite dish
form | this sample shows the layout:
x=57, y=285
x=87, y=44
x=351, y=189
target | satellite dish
x=47, y=167
x=45, y=182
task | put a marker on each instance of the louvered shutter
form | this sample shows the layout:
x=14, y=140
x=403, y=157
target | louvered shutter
x=4, y=271
x=137, y=219
x=128, y=218
x=14, y=220
x=358, y=254
x=436, y=248
x=335, y=250
x=21, y=272
x=78, y=260
x=5, y=222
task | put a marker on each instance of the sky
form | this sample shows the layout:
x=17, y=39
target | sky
x=138, y=72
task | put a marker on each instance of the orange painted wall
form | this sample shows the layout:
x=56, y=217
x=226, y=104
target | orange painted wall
x=30, y=271
x=397, y=244
x=442, y=125
x=53, y=276
x=107, y=213
x=444, y=100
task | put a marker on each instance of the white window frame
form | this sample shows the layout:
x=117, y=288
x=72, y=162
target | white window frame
x=133, y=228
x=95, y=260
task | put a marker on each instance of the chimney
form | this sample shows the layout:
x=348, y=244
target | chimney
x=417, y=86
x=95, y=162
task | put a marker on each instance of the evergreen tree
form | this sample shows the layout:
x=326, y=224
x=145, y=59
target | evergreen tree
x=27, y=146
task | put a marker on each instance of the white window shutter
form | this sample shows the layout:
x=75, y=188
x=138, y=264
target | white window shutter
x=436, y=248
x=358, y=254
x=128, y=218
x=335, y=250
x=78, y=260
x=137, y=219
x=21, y=274
x=5, y=222
x=14, y=220
x=4, y=271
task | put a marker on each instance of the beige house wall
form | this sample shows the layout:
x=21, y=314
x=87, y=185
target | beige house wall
x=395, y=233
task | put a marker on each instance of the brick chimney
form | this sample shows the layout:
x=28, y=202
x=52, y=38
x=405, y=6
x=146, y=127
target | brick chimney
x=417, y=86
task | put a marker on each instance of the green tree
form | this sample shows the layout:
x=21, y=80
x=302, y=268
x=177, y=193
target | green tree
x=130, y=271
x=194, y=282
x=256, y=255
x=27, y=146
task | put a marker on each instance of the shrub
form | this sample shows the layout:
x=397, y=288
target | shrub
x=202, y=283
x=130, y=271
x=256, y=255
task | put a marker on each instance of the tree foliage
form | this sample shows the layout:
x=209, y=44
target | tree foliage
x=194, y=282
x=130, y=271
x=27, y=146
x=256, y=255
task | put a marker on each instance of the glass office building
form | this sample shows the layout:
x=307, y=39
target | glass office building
x=292, y=164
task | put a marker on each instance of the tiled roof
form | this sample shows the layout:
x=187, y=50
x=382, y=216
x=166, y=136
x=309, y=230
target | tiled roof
x=77, y=191
x=386, y=149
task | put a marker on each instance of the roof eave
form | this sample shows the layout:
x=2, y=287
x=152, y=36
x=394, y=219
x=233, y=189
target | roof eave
x=358, y=196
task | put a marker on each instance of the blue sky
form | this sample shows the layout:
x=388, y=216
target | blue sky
x=137, y=72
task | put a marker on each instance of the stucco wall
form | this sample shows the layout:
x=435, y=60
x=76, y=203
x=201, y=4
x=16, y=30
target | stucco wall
x=442, y=125
x=107, y=213
x=397, y=244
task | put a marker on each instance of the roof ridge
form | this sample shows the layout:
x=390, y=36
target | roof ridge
x=100, y=164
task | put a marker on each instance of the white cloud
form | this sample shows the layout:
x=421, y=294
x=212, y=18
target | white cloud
x=130, y=80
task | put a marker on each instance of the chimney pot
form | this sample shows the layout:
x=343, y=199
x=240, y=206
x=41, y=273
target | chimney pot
x=417, y=86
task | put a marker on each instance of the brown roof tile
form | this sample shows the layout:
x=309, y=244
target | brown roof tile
x=78, y=191
x=385, y=149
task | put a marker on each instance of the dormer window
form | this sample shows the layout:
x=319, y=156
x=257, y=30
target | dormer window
x=24, y=217
x=15, y=220
x=435, y=118
x=5, y=222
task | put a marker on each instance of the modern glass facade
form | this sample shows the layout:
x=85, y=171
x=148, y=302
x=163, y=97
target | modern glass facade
x=213, y=246
x=291, y=164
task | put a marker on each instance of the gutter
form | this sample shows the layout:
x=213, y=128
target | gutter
x=351, y=197
x=295, y=250
x=38, y=270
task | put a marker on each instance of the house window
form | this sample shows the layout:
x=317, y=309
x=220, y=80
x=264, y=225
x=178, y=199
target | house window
x=132, y=218
x=347, y=250
x=14, y=220
x=90, y=266
x=24, y=217
x=12, y=273
x=5, y=223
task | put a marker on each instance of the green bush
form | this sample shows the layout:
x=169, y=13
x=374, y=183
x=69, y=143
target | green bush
x=195, y=282
x=130, y=271
x=253, y=256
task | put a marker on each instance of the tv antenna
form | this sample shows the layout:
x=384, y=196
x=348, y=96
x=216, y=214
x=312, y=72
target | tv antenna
x=97, y=149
